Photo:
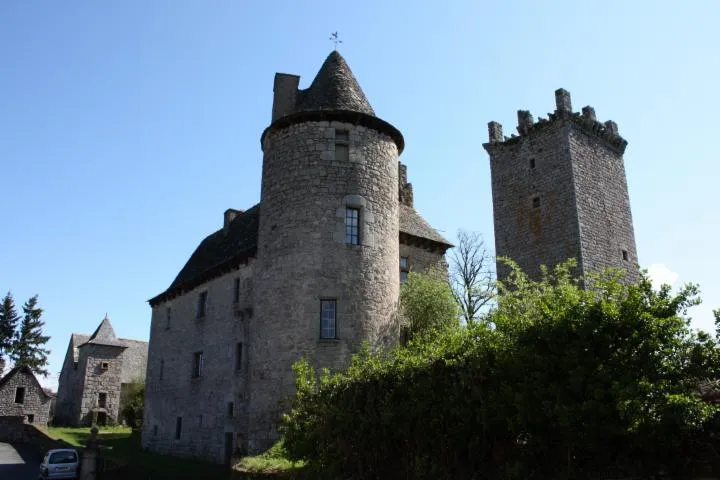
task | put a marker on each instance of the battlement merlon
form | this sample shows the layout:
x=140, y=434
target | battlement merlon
x=587, y=120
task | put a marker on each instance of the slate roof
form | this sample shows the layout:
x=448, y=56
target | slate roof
x=105, y=335
x=221, y=251
x=25, y=369
x=78, y=339
x=334, y=88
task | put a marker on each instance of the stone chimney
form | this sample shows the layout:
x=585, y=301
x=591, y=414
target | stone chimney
x=228, y=217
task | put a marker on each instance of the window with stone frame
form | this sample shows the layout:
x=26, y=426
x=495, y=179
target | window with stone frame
x=178, y=428
x=404, y=269
x=197, y=364
x=202, y=304
x=20, y=395
x=31, y=418
x=342, y=145
x=352, y=226
x=328, y=318
x=102, y=400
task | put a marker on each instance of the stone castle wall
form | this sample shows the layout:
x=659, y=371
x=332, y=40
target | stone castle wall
x=303, y=257
x=100, y=380
x=202, y=402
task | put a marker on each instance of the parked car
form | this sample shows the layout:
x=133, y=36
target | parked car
x=60, y=463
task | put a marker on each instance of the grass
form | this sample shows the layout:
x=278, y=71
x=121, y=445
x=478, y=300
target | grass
x=123, y=445
x=272, y=461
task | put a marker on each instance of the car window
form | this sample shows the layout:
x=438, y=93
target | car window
x=63, y=457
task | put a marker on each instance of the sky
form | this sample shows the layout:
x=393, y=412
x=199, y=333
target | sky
x=127, y=128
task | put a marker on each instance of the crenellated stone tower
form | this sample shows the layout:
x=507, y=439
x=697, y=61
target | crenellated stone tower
x=559, y=191
x=327, y=239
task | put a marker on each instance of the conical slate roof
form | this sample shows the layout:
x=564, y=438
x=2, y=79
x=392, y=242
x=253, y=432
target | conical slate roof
x=105, y=335
x=334, y=88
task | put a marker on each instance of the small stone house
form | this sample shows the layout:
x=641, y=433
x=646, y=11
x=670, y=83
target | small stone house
x=96, y=373
x=22, y=396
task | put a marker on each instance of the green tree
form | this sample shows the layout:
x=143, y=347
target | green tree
x=427, y=303
x=8, y=323
x=29, y=340
x=132, y=407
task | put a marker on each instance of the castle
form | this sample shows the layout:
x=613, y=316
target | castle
x=314, y=269
x=96, y=374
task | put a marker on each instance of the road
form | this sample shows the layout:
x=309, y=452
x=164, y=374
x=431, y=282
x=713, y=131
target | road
x=18, y=462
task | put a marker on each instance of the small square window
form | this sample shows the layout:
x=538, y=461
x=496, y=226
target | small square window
x=328, y=319
x=31, y=418
x=168, y=317
x=536, y=202
x=20, y=395
x=230, y=409
x=104, y=365
x=202, y=304
x=178, y=428
x=197, y=364
x=352, y=226
x=625, y=255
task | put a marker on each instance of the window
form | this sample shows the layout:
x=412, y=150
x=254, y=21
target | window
x=178, y=428
x=162, y=368
x=75, y=365
x=328, y=310
x=31, y=418
x=102, y=400
x=404, y=269
x=625, y=255
x=202, y=303
x=168, y=317
x=352, y=226
x=536, y=202
x=104, y=365
x=342, y=145
x=236, y=291
x=238, y=356
x=20, y=395
x=154, y=430
x=532, y=163
x=197, y=364
x=230, y=409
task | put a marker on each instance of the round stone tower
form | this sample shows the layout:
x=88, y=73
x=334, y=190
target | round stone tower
x=327, y=276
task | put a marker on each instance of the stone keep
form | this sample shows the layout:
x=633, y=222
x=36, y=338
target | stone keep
x=559, y=191
x=247, y=304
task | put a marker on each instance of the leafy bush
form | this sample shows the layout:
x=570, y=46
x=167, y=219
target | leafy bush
x=558, y=381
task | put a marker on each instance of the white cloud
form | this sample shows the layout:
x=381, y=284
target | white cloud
x=660, y=274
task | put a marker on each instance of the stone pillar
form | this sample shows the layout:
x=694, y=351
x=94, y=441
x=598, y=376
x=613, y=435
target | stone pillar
x=88, y=464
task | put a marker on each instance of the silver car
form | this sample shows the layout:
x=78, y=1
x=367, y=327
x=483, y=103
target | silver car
x=60, y=463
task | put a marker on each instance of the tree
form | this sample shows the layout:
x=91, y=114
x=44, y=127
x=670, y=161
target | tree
x=132, y=407
x=29, y=341
x=471, y=276
x=427, y=303
x=8, y=323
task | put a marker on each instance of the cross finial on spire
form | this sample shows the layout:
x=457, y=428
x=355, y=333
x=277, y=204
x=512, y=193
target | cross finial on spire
x=335, y=38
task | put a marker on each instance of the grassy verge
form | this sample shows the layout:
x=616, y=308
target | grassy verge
x=273, y=461
x=123, y=445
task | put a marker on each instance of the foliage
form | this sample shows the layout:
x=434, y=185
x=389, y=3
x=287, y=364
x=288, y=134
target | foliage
x=29, y=341
x=562, y=381
x=427, y=303
x=272, y=461
x=9, y=319
x=132, y=406
x=471, y=276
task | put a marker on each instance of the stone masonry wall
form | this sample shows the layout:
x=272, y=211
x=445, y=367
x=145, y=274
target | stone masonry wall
x=606, y=227
x=303, y=258
x=420, y=259
x=202, y=402
x=35, y=403
x=67, y=384
x=534, y=232
x=100, y=380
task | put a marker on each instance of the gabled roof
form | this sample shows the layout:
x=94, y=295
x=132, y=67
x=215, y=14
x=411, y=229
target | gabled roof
x=77, y=339
x=334, y=88
x=24, y=369
x=223, y=250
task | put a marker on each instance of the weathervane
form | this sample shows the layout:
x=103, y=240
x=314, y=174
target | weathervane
x=335, y=39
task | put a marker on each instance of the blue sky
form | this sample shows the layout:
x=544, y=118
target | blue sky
x=127, y=128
